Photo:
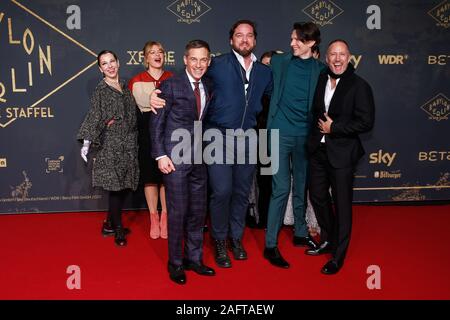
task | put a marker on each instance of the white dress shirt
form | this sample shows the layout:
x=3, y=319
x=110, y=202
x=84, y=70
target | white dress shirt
x=242, y=63
x=329, y=92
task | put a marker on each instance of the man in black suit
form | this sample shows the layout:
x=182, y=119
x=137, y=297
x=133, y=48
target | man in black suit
x=343, y=108
x=187, y=98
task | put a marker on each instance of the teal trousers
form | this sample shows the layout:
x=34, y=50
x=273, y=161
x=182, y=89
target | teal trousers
x=292, y=161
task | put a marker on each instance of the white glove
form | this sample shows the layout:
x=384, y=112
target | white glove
x=85, y=150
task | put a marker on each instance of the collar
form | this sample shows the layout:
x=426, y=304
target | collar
x=241, y=58
x=191, y=79
x=349, y=71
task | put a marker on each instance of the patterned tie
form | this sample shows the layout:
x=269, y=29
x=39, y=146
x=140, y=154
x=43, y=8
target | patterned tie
x=198, y=98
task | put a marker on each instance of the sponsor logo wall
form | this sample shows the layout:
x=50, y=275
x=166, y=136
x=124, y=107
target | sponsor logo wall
x=48, y=72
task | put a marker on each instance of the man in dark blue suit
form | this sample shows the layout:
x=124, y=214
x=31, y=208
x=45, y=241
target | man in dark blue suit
x=187, y=98
x=239, y=82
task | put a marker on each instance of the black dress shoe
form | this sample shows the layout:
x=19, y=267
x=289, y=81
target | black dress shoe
x=238, y=250
x=331, y=267
x=176, y=274
x=199, y=268
x=305, y=242
x=324, y=247
x=120, y=238
x=275, y=258
x=108, y=230
x=221, y=255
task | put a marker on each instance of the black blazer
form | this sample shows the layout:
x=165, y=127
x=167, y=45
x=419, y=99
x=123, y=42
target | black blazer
x=352, y=110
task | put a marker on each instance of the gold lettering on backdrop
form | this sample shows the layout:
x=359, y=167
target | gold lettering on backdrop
x=137, y=57
x=28, y=112
x=132, y=58
x=45, y=59
x=10, y=33
x=355, y=60
x=30, y=75
x=2, y=92
x=36, y=50
x=170, y=57
x=28, y=34
x=13, y=81
x=28, y=42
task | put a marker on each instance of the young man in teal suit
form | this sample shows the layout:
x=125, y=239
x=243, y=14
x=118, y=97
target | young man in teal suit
x=295, y=77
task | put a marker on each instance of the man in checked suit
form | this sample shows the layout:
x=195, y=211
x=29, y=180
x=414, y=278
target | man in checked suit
x=343, y=108
x=187, y=98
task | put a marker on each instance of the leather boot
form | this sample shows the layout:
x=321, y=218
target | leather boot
x=163, y=224
x=154, y=225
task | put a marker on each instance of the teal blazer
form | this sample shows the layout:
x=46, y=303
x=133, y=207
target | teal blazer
x=279, y=64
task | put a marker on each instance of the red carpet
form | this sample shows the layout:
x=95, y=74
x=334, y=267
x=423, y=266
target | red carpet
x=411, y=245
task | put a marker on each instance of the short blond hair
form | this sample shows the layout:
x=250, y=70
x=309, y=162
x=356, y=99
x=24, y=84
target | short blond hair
x=150, y=44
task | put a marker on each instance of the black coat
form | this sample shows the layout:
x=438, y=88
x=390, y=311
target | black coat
x=352, y=110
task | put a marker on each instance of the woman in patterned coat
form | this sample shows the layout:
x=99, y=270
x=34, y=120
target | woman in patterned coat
x=111, y=126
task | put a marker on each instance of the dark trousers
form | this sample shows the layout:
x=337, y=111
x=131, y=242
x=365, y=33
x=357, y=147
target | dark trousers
x=230, y=186
x=335, y=224
x=116, y=201
x=186, y=211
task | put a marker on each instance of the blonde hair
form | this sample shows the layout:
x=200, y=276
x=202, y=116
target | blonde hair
x=150, y=44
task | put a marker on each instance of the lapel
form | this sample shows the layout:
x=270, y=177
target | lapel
x=238, y=69
x=321, y=86
x=341, y=88
x=282, y=80
x=253, y=78
x=313, y=78
x=208, y=94
x=190, y=93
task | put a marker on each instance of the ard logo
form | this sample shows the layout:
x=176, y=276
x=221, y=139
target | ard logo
x=437, y=108
x=441, y=13
x=32, y=69
x=188, y=11
x=322, y=12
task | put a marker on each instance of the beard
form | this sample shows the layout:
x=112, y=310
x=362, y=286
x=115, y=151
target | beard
x=244, y=52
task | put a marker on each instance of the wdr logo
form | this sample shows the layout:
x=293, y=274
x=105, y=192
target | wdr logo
x=392, y=59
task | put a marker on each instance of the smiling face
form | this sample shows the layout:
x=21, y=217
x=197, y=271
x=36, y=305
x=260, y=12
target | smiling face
x=109, y=66
x=197, y=61
x=243, y=40
x=338, y=57
x=154, y=57
x=301, y=49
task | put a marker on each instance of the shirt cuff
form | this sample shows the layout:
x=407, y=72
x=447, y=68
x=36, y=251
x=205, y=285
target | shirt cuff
x=160, y=157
